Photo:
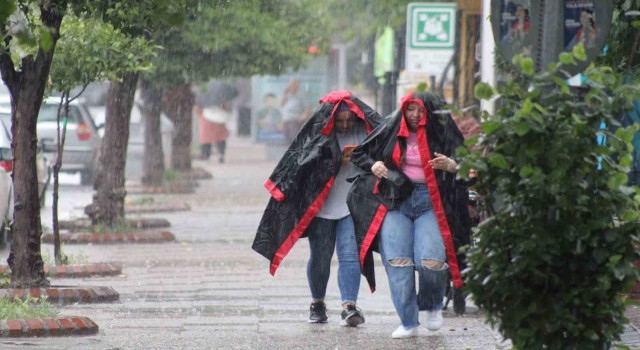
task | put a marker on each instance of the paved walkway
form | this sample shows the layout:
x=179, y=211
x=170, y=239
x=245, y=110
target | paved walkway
x=209, y=290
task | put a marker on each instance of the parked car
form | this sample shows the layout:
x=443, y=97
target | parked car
x=82, y=139
x=6, y=183
x=6, y=168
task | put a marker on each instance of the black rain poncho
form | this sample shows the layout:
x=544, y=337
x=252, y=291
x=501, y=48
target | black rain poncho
x=301, y=181
x=369, y=202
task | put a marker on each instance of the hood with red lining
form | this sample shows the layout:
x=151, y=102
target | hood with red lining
x=336, y=98
x=404, y=103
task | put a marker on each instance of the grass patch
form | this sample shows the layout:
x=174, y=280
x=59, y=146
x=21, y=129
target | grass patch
x=141, y=201
x=5, y=279
x=28, y=308
x=121, y=227
x=67, y=259
x=171, y=175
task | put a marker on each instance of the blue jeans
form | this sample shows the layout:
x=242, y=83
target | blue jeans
x=324, y=236
x=409, y=238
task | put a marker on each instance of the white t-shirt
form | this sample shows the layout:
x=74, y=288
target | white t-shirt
x=335, y=206
x=215, y=114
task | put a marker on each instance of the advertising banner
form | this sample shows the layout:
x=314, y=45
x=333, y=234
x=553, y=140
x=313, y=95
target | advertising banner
x=542, y=30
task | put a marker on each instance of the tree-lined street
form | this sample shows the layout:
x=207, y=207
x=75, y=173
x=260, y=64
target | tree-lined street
x=548, y=107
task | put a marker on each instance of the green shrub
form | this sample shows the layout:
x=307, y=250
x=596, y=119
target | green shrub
x=549, y=266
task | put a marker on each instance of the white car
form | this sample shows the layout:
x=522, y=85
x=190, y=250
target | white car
x=6, y=183
x=6, y=168
x=82, y=139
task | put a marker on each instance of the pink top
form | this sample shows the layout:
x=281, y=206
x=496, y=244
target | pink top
x=412, y=165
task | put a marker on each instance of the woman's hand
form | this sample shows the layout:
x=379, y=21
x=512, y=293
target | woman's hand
x=379, y=169
x=442, y=162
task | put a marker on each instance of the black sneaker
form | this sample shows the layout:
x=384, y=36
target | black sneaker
x=318, y=312
x=351, y=317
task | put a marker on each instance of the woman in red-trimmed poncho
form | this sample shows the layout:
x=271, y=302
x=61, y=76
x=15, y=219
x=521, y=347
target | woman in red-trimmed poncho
x=422, y=228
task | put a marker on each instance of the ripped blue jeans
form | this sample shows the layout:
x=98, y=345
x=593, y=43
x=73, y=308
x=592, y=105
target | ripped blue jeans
x=410, y=241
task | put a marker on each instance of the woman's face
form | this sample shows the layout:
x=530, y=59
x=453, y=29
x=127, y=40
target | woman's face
x=520, y=13
x=344, y=121
x=412, y=115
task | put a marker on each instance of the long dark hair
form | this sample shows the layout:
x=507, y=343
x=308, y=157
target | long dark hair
x=432, y=103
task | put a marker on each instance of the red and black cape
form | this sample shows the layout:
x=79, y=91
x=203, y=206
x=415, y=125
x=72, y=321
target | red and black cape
x=437, y=132
x=301, y=181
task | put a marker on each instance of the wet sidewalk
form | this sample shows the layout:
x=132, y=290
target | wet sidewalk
x=209, y=290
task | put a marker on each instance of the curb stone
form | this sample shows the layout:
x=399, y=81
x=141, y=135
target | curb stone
x=62, y=295
x=140, y=223
x=177, y=188
x=111, y=238
x=48, y=327
x=77, y=270
x=155, y=208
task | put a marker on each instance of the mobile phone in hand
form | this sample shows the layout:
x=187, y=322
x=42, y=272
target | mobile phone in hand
x=346, y=153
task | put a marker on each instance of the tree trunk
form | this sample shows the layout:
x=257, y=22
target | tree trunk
x=27, y=89
x=27, y=267
x=153, y=156
x=178, y=104
x=108, y=203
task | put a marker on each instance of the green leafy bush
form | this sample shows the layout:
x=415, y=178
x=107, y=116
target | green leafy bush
x=548, y=267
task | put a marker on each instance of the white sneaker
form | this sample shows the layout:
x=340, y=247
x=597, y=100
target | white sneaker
x=434, y=320
x=401, y=332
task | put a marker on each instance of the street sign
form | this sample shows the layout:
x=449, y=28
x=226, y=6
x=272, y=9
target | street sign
x=431, y=31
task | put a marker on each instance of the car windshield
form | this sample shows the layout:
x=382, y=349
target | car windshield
x=49, y=113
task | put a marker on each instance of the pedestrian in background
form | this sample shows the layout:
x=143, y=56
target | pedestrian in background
x=214, y=111
x=294, y=108
x=308, y=199
x=423, y=207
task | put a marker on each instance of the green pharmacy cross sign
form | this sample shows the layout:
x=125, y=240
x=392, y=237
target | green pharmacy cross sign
x=432, y=25
x=431, y=32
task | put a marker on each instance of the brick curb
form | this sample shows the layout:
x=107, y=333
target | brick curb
x=77, y=270
x=140, y=223
x=65, y=295
x=48, y=327
x=177, y=188
x=110, y=238
x=155, y=208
